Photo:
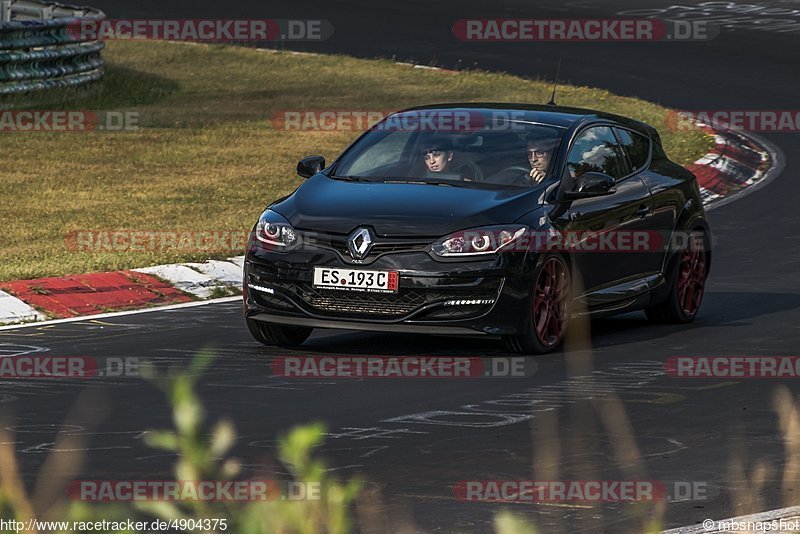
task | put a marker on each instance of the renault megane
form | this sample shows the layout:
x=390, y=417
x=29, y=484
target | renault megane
x=481, y=219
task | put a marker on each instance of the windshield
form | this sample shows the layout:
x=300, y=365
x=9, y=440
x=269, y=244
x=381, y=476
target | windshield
x=516, y=153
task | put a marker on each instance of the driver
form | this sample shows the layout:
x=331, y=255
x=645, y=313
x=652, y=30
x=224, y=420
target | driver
x=541, y=145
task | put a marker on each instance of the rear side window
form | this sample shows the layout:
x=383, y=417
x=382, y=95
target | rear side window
x=636, y=146
x=596, y=149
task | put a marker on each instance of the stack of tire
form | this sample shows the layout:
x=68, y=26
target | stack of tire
x=41, y=46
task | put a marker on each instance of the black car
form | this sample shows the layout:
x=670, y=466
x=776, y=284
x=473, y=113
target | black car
x=481, y=219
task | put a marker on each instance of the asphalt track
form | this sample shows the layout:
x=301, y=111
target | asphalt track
x=687, y=430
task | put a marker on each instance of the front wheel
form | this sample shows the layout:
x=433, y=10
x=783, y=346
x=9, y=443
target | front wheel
x=687, y=279
x=549, y=314
x=274, y=335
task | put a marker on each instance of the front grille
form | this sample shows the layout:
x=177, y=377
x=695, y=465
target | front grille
x=380, y=245
x=386, y=304
x=338, y=304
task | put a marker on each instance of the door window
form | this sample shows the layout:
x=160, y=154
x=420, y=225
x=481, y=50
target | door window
x=596, y=149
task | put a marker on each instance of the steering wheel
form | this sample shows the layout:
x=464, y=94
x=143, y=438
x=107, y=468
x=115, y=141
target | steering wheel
x=519, y=168
x=511, y=175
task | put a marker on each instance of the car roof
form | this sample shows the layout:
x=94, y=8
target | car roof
x=563, y=116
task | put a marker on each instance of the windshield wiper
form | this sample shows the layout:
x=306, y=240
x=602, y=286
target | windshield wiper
x=351, y=178
x=396, y=180
x=419, y=181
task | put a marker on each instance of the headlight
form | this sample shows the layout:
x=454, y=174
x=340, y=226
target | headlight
x=479, y=241
x=273, y=229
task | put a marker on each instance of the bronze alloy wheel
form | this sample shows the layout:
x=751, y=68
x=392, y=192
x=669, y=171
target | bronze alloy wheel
x=550, y=295
x=692, y=276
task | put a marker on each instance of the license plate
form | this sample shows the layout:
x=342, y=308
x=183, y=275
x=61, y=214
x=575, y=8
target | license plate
x=356, y=280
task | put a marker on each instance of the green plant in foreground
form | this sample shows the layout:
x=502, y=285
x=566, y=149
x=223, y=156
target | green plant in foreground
x=202, y=457
x=46, y=500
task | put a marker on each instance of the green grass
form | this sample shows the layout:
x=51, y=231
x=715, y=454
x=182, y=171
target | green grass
x=207, y=156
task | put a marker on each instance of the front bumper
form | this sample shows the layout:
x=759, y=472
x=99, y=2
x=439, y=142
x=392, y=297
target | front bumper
x=486, y=296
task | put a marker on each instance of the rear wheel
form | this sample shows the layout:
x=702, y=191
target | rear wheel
x=275, y=335
x=550, y=297
x=687, y=279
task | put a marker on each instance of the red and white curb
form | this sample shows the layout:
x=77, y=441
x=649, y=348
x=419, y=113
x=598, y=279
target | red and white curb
x=737, y=164
x=13, y=310
x=200, y=279
x=93, y=294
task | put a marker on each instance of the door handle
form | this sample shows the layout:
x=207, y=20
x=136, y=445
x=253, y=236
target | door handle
x=642, y=211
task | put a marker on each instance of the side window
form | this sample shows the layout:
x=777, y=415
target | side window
x=596, y=149
x=636, y=146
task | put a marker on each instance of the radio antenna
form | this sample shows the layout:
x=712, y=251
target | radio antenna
x=555, y=84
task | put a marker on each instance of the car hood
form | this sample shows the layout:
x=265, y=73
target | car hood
x=326, y=205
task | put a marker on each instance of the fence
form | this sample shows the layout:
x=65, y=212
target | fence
x=40, y=47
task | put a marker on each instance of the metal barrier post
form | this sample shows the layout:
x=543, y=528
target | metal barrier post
x=5, y=11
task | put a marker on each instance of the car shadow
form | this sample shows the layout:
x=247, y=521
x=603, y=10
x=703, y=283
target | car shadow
x=343, y=342
x=720, y=309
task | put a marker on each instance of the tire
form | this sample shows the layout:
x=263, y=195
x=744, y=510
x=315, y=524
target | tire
x=550, y=309
x=687, y=275
x=274, y=335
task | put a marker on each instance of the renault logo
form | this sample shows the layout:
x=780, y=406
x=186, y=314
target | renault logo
x=359, y=243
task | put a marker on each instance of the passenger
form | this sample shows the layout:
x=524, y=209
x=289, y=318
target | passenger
x=438, y=155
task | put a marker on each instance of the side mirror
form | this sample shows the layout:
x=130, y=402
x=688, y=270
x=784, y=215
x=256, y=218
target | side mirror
x=591, y=184
x=308, y=167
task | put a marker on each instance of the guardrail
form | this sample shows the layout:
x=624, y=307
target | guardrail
x=41, y=46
